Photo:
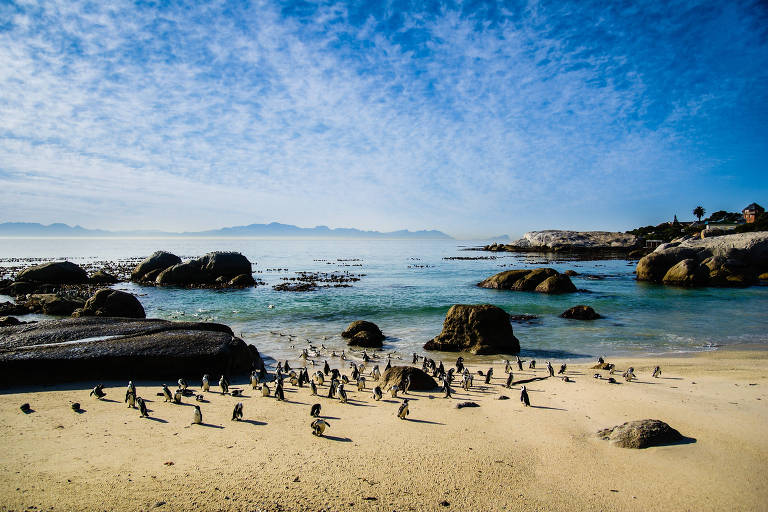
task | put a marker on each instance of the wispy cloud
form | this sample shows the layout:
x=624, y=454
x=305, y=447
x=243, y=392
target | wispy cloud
x=467, y=119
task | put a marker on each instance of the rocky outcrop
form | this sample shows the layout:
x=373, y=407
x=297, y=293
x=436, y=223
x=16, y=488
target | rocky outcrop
x=9, y=308
x=542, y=280
x=570, y=241
x=116, y=303
x=479, y=329
x=149, y=269
x=363, y=334
x=102, y=277
x=57, y=272
x=729, y=260
x=580, y=312
x=100, y=348
x=397, y=375
x=215, y=268
x=641, y=434
x=52, y=304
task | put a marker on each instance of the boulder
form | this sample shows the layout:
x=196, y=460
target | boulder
x=242, y=280
x=159, y=261
x=559, y=283
x=221, y=266
x=530, y=280
x=571, y=273
x=102, y=277
x=107, y=302
x=687, y=272
x=363, y=334
x=105, y=348
x=9, y=308
x=479, y=329
x=641, y=434
x=52, y=304
x=5, y=321
x=580, y=312
x=57, y=272
x=397, y=375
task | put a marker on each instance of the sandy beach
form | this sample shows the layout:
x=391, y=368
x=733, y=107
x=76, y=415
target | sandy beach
x=499, y=456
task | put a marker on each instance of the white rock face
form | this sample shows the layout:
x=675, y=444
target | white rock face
x=577, y=239
x=752, y=247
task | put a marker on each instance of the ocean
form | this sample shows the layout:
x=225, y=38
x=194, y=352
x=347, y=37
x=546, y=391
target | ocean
x=407, y=286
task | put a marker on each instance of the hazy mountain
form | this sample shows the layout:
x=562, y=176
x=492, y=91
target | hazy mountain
x=275, y=229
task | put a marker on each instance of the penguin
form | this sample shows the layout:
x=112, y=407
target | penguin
x=415, y=358
x=376, y=393
x=183, y=384
x=365, y=356
x=488, y=376
x=98, y=391
x=524, y=397
x=237, y=412
x=279, y=394
x=344, y=379
x=446, y=389
x=313, y=387
x=342, y=394
x=562, y=369
x=361, y=383
x=441, y=369
x=566, y=379
x=460, y=364
x=177, y=396
x=254, y=380
x=629, y=375
x=198, y=417
x=509, y=380
x=550, y=369
x=519, y=363
x=131, y=388
x=597, y=376
x=326, y=368
x=315, y=411
x=611, y=380
x=206, y=383
x=407, y=386
x=237, y=392
x=332, y=388
x=199, y=398
x=224, y=384
x=25, y=408
x=355, y=372
x=319, y=426
x=335, y=374
x=286, y=366
x=600, y=360
x=130, y=398
x=264, y=389
x=319, y=378
x=402, y=411
x=393, y=391
x=507, y=366
x=532, y=364
x=142, y=407
x=76, y=406
x=657, y=372
x=167, y=394
x=376, y=373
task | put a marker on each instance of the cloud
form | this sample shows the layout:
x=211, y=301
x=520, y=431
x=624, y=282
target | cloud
x=471, y=120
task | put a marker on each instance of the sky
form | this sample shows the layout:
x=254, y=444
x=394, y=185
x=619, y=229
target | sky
x=475, y=118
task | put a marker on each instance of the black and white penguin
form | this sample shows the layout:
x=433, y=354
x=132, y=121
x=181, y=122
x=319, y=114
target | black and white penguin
x=224, y=385
x=254, y=380
x=532, y=364
x=510, y=377
x=98, y=391
x=446, y=389
x=206, y=383
x=488, y=376
x=319, y=378
x=519, y=363
x=183, y=385
x=407, y=386
x=177, y=396
x=389, y=364
x=376, y=373
x=197, y=419
x=415, y=358
x=402, y=411
x=342, y=394
x=167, y=394
x=657, y=372
x=326, y=368
x=319, y=426
x=130, y=398
x=344, y=379
x=361, y=383
x=629, y=375
x=237, y=412
x=376, y=393
x=142, y=407
x=393, y=391
x=524, y=397
x=550, y=369
x=264, y=389
x=562, y=369
x=131, y=387
x=313, y=387
x=315, y=411
x=460, y=364
x=279, y=394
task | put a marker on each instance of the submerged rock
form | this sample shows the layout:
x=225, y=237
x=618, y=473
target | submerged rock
x=107, y=302
x=397, y=375
x=479, y=329
x=542, y=280
x=641, y=434
x=58, y=272
x=580, y=312
x=363, y=334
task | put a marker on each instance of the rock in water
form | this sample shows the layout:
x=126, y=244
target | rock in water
x=641, y=434
x=159, y=261
x=559, y=283
x=688, y=272
x=107, y=302
x=397, y=375
x=102, y=277
x=580, y=313
x=214, y=267
x=479, y=329
x=58, y=272
x=363, y=334
x=542, y=280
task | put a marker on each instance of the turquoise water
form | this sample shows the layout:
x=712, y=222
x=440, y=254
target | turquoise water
x=409, y=303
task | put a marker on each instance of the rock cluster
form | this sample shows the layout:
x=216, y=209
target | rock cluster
x=107, y=302
x=542, y=280
x=570, y=241
x=580, y=312
x=215, y=269
x=479, y=329
x=364, y=334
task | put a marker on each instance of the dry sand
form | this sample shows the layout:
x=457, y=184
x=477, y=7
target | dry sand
x=500, y=456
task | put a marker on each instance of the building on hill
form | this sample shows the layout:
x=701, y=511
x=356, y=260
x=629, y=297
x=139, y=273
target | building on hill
x=751, y=212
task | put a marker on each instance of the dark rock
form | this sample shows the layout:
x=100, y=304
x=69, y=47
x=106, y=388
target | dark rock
x=543, y=280
x=159, y=261
x=58, y=272
x=580, y=313
x=121, y=348
x=107, y=302
x=524, y=318
x=363, y=334
x=295, y=287
x=641, y=434
x=397, y=375
x=5, y=321
x=242, y=280
x=102, y=277
x=223, y=266
x=479, y=329
x=462, y=405
x=559, y=283
x=9, y=308
x=571, y=273
x=52, y=304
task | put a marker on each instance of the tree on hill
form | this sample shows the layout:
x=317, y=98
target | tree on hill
x=699, y=212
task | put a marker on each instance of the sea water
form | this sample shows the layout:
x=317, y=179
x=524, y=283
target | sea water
x=406, y=288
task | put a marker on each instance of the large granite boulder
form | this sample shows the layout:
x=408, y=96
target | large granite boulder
x=543, y=280
x=687, y=273
x=57, y=272
x=102, y=277
x=214, y=267
x=106, y=302
x=103, y=348
x=479, y=329
x=397, y=375
x=553, y=240
x=641, y=434
x=53, y=304
x=363, y=334
x=580, y=312
x=149, y=269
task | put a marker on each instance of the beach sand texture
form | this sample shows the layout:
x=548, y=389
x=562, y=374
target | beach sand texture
x=500, y=456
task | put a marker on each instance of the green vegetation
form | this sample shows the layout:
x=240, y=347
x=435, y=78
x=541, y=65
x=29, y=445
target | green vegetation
x=699, y=212
x=665, y=231
x=760, y=224
x=725, y=217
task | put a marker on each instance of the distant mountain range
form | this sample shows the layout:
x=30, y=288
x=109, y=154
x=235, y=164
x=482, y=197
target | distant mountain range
x=274, y=229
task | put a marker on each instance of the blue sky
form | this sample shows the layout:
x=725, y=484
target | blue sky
x=475, y=118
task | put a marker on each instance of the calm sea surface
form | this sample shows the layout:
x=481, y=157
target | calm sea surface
x=408, y=286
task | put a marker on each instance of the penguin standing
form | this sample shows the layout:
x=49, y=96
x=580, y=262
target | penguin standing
x=519, y=363
x=98, y=391
x=315, y=411
x=402, y=411
x=130, y=398
x=509, y=380
x=415, y=358
x=507, y=366
x=657, y=372
x=206, y=383
x=460, y=364
x=313, y=387
x=361, y=383
x=562, y=369
x=393, y=391
x=550, y=369
x=237, y=412
x=254, y=380
x=629, y=375
x=524, y=397
x=376, y=373
x=446, y=389
x=167, y=394
x=279, y=394
x=224, y=384
x=376, y=393
x=264, y=390
x=342, y=394
x=532, y=364
x=131, y=388
x=177, y=396
x=319, y=378
x=326, y=368
x=198, y=417
x=142, y=407
x=488, y=376
x=407, y=385
x=319, y=426
x=183, y=385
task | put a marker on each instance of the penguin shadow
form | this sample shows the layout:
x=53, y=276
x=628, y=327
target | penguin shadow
x=684, y=440
x=209, y=425
x=358, y=403
x=548, y=408
x=329, y=417
x=672, y=378
x=159, y=420
x=28, y=411
x=109, y=400
x=253, y=422
x=339, y=439
x=424, y=421
x=80, y=410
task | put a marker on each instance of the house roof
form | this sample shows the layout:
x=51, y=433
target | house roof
x=753, y=207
